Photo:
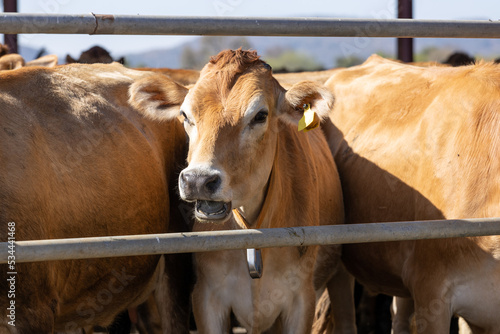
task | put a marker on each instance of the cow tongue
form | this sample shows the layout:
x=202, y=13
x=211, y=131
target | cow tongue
x=211, y=209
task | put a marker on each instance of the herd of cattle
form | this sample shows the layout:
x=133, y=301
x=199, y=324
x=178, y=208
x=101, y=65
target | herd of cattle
x=102, y=150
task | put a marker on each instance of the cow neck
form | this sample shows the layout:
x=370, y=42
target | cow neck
x=271, y=185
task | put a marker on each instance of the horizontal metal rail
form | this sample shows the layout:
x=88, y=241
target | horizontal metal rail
x=16, y=23
x=82, y=248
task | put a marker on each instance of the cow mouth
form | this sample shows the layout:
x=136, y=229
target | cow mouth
x=212, y=210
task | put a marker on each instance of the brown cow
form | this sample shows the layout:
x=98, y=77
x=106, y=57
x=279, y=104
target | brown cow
x=289, y=79
x=181, y=76
x=245, y=153
x=415, y=143
x=77, y=160
x=44, y=61
x=13, y=61
x=94, y=55
x=459, y=59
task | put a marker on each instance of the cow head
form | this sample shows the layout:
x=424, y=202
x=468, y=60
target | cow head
x=11, y=61
x=94, y=55
x=233, y=116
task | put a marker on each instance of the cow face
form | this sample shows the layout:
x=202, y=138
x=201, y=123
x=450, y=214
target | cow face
x=233, y=116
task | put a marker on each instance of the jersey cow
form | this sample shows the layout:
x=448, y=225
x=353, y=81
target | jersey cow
x=182, y=76
x=13, y=61
x=77, y=160
x=245, y=153
x=415, y=143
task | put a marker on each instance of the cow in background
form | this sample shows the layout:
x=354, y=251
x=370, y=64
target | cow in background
x=416, y=143
x=459, y=59
x=94, y=55
x=13, y=61
x=181, y=76
x=82, y=163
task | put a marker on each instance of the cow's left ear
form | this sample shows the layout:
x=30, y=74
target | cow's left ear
x=306, y=94
x=45, y=61
x=157, y=97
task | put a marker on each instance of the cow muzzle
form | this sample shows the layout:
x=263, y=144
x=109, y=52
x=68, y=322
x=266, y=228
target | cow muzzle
x=212, y=210
x=202, y=188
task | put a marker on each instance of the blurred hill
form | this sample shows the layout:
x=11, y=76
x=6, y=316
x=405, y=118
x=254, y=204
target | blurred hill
x=318, y=52
x=297, y=53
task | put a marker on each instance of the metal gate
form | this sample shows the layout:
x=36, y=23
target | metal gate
x=79, y=248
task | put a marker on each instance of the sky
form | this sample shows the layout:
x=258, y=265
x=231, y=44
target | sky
x=119, y=45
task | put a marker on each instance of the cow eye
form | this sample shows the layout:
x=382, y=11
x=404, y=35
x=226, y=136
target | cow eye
x=186, y=119
x=260, y=117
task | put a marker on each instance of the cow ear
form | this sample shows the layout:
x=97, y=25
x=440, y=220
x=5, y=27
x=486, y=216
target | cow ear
x=70, y=60
x=45, y=61
x=305, y=95
x=11, y=61
x=157, y=97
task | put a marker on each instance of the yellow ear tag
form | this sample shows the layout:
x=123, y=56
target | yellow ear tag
x=310, y=120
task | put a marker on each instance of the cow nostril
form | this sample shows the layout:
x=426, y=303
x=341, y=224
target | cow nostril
x=212, y=183
x=186, y=177
x=197, y=185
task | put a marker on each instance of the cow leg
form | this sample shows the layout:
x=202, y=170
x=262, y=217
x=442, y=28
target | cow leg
x=276, y=328
x=147, y=317
x=402, y=310
x=331, y=273
x=298, y=319
x=209, y=321
x=211, y=316
x=172, y=294
x=341, y=291
x=432, y=315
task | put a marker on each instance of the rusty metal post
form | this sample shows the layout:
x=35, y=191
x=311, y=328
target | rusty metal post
x=405, y=45
x=10, y=6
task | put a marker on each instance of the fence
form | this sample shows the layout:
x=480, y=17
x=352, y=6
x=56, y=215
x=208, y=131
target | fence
x=12, y=23
x=81, y=248
x=44, y=250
